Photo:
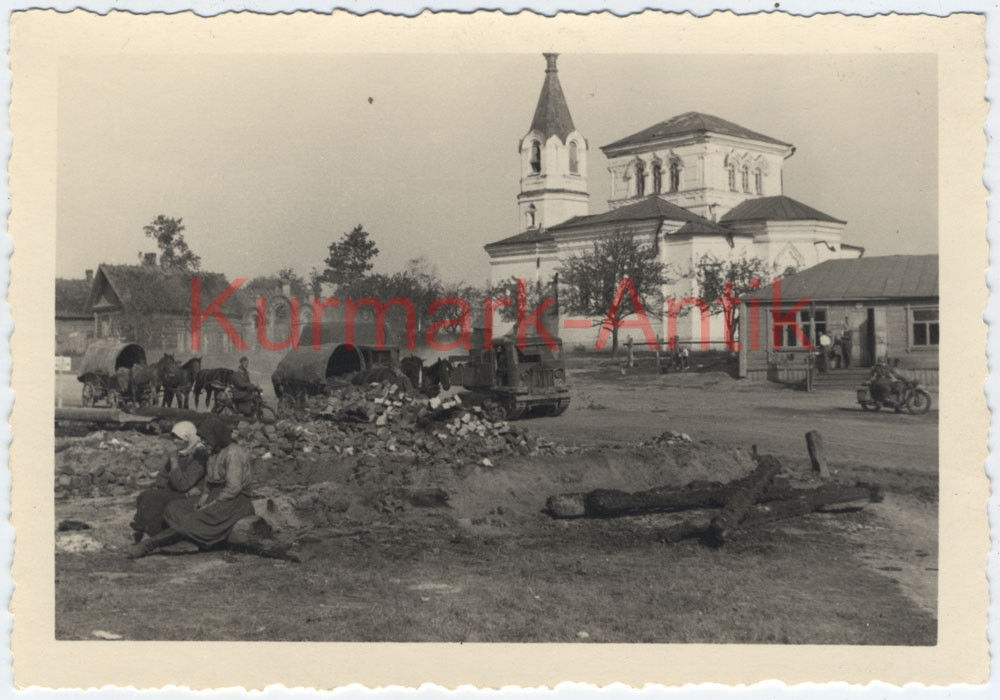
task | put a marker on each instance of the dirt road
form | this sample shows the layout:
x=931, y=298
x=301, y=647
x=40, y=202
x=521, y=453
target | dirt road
x=491, y=567
x=608, y=407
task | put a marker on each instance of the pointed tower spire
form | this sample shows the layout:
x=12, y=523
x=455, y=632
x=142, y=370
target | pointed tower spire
x=552, y=115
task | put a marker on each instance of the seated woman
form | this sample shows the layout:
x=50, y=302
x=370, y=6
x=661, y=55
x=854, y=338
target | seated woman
x=183, y=469
x=208, y=519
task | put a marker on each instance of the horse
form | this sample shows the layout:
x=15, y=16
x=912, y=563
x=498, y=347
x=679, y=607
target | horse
x=205, y=380
x=177, y=379
x=144, y=383
x=430, y=380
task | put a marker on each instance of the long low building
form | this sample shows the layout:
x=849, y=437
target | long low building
x=882, y=307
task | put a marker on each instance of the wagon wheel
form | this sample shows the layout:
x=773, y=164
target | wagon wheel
x=88, y=395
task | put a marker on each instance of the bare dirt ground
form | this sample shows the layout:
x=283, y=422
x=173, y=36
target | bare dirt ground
x=491, y=567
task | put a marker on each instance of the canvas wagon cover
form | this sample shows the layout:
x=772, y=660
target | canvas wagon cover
x=105, y=356
x=308, y=366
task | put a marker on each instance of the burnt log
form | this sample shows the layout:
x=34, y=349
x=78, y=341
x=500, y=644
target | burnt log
x=781, y=505
x=604, y=503
x=746, y=492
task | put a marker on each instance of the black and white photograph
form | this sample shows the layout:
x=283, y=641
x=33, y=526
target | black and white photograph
x=546, y=346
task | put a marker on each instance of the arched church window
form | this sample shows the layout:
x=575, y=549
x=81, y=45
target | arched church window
x=675, y=176
x=758, y=181
x=732, y=178
x=574, y=159
x=745, y=178
x=657, y=178
x=640, y=179
x=536, y=157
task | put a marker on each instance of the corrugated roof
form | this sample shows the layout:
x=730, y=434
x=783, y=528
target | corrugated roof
x=652, y=207
x=552, y=113
x=692, y=123
x=778, y=208
x=883, y=277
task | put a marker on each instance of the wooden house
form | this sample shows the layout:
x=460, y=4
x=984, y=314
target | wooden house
x=884, y=307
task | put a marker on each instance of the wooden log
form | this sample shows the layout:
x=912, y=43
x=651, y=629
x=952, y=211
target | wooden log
x=605, y=503
x=792, y=503
x=99, y=415
x=814, y=443
x=747, y=491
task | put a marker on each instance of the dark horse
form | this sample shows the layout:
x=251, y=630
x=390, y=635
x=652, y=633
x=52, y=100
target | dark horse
x=206, y=379
x=177, y=379
x=144, y=383
x=430, y=380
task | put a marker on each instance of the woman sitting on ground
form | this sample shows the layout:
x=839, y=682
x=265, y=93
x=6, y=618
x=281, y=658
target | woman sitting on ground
x=225, y=500
x=183, y=469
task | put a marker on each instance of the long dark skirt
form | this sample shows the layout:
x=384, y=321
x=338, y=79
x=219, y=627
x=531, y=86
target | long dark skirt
x=209, y=525
x=150, y=506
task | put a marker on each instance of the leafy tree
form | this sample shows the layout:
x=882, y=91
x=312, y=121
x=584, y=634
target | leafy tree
x=535, y=294
x=589, y=281
x=175, y=255
x=417, y=283
x=714, y=275
x=299, y=287
x=350, y=258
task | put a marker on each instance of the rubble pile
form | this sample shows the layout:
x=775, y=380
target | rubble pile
x=106, y=464
x=384, y=421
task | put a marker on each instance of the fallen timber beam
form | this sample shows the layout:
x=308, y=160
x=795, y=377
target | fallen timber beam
x=99, y=415
x=605, y=503
x=746, y=492
x=801, y=502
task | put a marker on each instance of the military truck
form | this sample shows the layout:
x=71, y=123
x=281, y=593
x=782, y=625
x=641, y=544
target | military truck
x=508, y=381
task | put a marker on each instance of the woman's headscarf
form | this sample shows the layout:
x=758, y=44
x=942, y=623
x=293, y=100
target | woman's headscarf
x=215, y=432
x=187, y=432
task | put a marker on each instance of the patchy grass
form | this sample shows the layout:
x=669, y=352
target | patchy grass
x=611, y=579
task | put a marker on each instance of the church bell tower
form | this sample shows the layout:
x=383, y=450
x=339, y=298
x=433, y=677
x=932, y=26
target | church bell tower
x=553, y=160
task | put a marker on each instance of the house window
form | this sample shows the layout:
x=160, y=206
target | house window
x=574, y=161
x=745, y=178
x=640, y=179
x=536, y=157
x=657, y=178
x=812, y=326
x=732, y=178
x=675, y=176
x=925, y=327
x=758, y=181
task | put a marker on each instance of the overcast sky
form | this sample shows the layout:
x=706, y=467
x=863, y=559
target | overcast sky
x=268, y=159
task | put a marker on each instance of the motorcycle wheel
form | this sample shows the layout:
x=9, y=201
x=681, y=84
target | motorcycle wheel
x=920, y=403
x=872, y=406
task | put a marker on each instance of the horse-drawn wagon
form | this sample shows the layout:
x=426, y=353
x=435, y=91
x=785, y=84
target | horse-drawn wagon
x=111, y=373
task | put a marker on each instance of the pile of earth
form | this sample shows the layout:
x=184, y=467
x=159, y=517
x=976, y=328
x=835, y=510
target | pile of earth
x=377, y=455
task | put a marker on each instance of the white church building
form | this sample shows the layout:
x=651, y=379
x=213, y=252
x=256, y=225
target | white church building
x=688, y=186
